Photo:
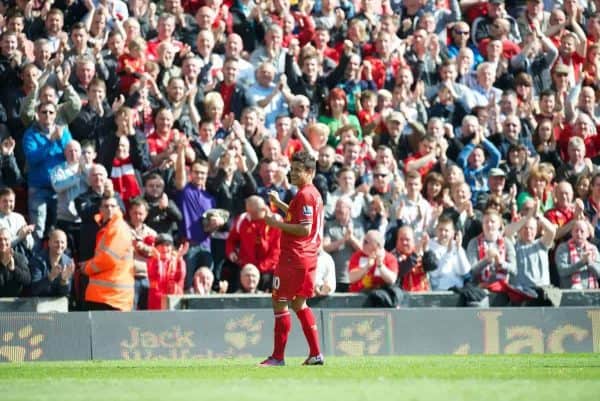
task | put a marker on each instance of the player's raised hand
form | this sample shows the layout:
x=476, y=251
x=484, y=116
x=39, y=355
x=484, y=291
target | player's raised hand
x=274, y=198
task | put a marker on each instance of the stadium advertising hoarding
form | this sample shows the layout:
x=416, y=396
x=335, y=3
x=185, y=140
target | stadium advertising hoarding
x=350, y=332
x=28, y=336
x=462, y=331
x=187, y=335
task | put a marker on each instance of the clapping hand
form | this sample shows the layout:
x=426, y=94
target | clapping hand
x=67, y=272
x=63, y=75
x=57, y=133
x=8, y=146
x=183, y=249
x=493, y=256
x=25, y=231
x=579, y=208
x=8, y=261
x=118, y=103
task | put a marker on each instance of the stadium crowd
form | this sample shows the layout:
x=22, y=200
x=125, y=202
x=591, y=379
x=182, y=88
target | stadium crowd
x=457, y=145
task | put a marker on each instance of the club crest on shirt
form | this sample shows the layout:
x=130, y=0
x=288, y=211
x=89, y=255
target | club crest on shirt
x=307, y=211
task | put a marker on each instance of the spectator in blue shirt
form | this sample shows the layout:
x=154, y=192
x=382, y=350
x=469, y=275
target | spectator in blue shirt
x=44, y=143
x=474, y=164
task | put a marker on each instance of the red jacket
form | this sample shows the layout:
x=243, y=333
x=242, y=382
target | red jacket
x=166, y=277
x=254, y=242
x=370, y=280
x=592, y=143
x=380, y=67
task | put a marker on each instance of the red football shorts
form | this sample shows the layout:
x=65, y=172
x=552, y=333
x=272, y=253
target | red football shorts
x=289, y=283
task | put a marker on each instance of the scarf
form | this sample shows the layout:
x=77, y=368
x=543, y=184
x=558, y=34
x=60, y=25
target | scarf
x=574, y=257
x=416, y=279
x=168, y=266
x=124, y=179
x=491, y=276
x=560, y=216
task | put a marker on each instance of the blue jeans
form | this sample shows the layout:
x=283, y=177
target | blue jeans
x=140, y=297
x=42, y=211
x=196, y=257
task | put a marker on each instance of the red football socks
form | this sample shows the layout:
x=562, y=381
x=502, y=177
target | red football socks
x=309, y=326
x=283, y=325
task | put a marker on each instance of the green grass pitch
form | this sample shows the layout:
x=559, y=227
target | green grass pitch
x=476, y=378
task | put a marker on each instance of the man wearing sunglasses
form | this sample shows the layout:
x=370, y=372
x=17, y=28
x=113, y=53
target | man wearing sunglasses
x=460, y=35
x=44, y=143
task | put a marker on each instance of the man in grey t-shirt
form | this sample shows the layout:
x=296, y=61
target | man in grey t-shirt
x=341, y=238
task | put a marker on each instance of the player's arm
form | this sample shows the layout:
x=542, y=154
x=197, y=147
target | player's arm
x=281, y=205
x=298, y=230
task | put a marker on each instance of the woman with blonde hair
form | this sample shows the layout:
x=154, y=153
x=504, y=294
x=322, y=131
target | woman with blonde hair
x=538, y=188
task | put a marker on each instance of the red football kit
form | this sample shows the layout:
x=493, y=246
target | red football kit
x=295, y=273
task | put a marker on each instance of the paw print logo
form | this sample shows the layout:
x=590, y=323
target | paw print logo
x=243, y=332
x=361, y=338
x=21, y=345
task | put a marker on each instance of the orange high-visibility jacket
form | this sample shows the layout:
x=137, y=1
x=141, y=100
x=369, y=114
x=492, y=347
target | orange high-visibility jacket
x=111, y=269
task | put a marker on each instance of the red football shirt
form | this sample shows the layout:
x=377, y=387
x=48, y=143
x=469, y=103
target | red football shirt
x=157, y=145
x=302, y=252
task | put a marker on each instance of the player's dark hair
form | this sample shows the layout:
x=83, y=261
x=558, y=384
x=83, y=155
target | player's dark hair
x=305, y=158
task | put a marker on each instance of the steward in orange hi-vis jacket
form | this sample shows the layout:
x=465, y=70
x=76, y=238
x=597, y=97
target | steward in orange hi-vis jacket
x=111, y=270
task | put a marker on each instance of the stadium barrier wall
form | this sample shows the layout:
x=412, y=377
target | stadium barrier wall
x=410, y=300
x=34, y=304
x=248, y=333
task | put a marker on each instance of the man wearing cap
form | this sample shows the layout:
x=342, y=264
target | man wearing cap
x=496, y=184
x=481, y=26
x=393, y=136
x=561, y=83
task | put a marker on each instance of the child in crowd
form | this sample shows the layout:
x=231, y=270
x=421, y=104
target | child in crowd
x=166, y=271
x=131, y=65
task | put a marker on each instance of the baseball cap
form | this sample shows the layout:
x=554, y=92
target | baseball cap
x=163, y=238
x=497, y=172
x=496, y=1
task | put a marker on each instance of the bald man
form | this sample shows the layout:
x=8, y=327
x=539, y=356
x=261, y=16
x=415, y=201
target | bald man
x=251, y=241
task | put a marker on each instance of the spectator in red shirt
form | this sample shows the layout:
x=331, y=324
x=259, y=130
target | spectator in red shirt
x=572, y=51
x=409, y=255
x=251, y=241
x=372, y=266
x=499, y=30
x=165, y=29
x=565, y=212
x=166, y=271
x=425, y=159
x=321, y=40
